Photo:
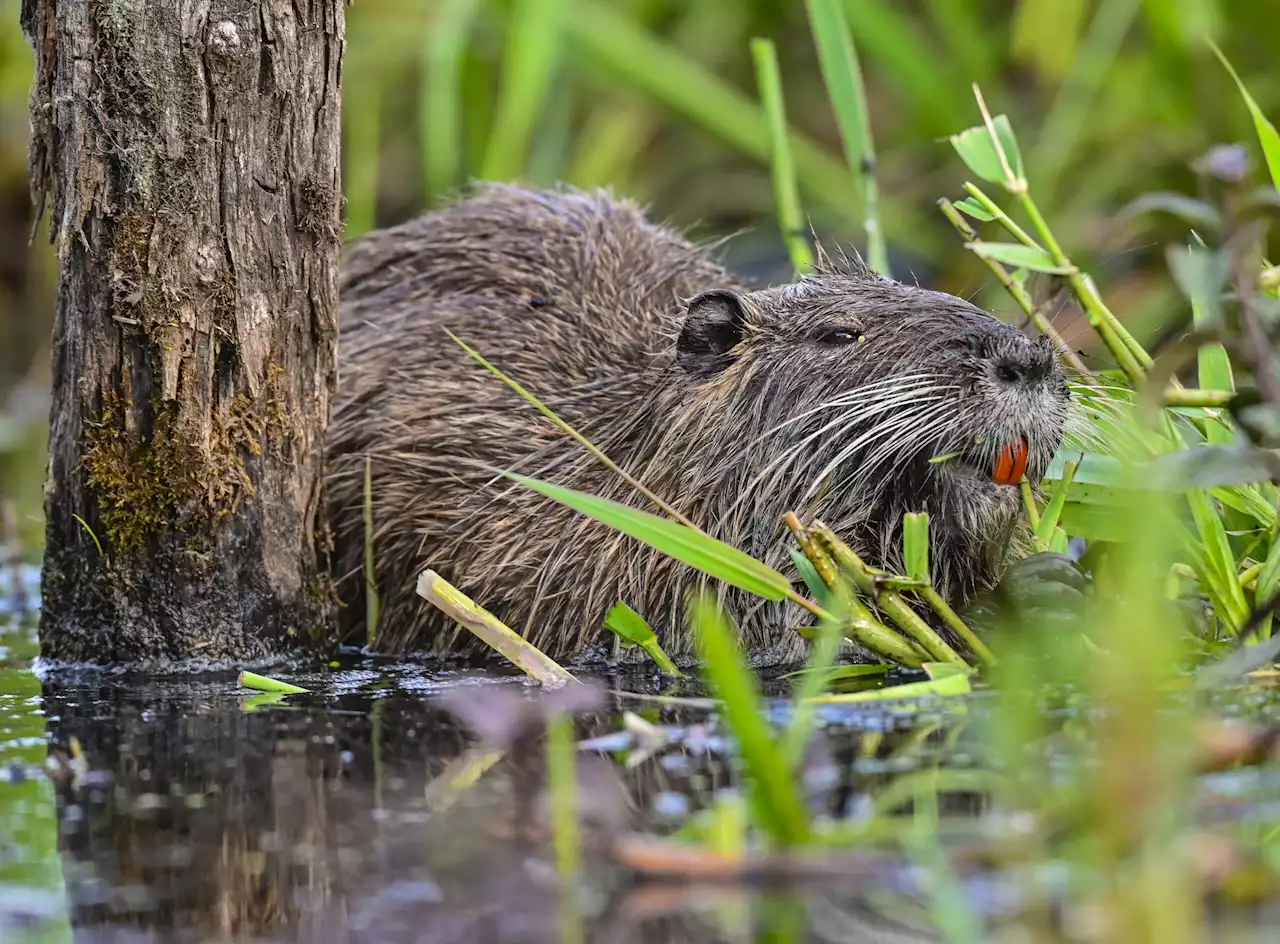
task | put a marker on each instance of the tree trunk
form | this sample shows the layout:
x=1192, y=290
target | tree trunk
x=188, y=153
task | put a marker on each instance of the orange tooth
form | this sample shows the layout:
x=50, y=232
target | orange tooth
x=1011, y=464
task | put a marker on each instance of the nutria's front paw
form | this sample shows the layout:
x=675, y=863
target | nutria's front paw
x=1045, y=589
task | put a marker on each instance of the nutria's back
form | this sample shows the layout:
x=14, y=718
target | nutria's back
x=826, y=397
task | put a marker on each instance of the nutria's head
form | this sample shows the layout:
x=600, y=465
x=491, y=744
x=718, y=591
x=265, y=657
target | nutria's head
x=855, y=399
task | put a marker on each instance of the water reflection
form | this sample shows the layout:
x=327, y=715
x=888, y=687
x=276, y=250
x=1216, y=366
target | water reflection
x=182, y=816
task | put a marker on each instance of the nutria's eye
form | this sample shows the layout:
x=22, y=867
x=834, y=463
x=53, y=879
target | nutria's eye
x=837, y=336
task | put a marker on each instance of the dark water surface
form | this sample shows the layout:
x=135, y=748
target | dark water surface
x=185, y=809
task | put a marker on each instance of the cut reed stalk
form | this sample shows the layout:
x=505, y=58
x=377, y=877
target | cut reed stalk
x=490, y=630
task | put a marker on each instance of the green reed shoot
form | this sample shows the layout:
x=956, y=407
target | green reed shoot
x=889, y=601
x=785, y=189
x=915, y=556
x=915, y=545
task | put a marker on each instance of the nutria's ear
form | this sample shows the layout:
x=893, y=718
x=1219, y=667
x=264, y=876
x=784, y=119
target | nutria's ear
x=713, y=325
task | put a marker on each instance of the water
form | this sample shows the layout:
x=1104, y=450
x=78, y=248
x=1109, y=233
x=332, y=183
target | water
x=180, y=809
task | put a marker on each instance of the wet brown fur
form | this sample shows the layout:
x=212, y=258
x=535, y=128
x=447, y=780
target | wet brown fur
x=826, y=397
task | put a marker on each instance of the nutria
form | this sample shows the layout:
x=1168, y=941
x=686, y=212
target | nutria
x=827, y=397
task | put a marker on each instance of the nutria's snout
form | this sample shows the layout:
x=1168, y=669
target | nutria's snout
x=1019, y=400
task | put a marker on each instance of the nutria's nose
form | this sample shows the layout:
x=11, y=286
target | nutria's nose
x=1028, y=363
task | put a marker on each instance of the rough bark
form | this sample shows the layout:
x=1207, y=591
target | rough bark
x=187, y=151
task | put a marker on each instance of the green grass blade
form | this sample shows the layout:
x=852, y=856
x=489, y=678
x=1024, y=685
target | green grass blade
x=531, y=57
x=840, y=71
x=1268, y=137
x=582, y=440
x=96, y=543
x=785, y=190
x=1201, y=275
x=698, y=550
x=773, y=791
x=629, y=625
x=971, y=207
x=441, y=101
x=812, y=580
x=1052, y=513
x=1217, y=567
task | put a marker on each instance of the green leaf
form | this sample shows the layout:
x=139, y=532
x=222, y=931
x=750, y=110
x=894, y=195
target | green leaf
x=971, y=207
x=629, y=625
x=1268, y=137
x=633, y=629
x=820, y=592
x=977, y=150
x=1206, y=466
x=773, y=790
x=1093, y=469
x=915, y=545
x=698, y=550
x=1016, y=254
x=1202, y=276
